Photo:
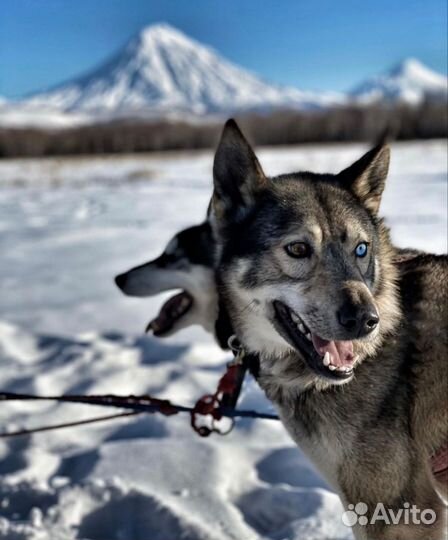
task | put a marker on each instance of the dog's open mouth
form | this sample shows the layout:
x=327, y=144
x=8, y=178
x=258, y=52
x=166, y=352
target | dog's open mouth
x=331, y=359
x=171, y=311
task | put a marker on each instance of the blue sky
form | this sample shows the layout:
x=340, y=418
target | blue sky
x=311, y=44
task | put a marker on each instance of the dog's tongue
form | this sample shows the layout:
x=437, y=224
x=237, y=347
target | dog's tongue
x=171, y=310
x=341, y=351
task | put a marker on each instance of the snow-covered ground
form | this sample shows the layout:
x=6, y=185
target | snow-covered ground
x=67, y=226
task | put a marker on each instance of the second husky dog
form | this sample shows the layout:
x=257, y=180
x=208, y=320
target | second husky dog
x=187, y=263
x=352, y=349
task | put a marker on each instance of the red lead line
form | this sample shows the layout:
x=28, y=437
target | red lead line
x=136, y=404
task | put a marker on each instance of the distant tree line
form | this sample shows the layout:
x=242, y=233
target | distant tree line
x=354, y=123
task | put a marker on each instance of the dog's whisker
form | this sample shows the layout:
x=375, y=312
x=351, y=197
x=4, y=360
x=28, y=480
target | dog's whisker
x=249, y=306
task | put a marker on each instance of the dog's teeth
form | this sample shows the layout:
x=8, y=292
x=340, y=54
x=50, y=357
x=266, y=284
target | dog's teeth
x=326, y=359
x=301, y=328
x=295, y=317
x=153, y=325
x=308, y=336
x=331, y=367
x=344, y=369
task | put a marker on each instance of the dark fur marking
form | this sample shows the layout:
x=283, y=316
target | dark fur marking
x=223, y=326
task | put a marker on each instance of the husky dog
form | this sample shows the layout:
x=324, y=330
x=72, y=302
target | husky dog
x=406, y=401
x=187, y=263
x=352, y=345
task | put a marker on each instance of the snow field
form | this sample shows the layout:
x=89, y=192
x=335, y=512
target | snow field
x=67, y=226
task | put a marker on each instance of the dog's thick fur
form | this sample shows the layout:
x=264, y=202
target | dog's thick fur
x=371, y=429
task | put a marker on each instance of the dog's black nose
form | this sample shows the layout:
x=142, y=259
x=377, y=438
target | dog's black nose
x=358, y=320
x=120, y=280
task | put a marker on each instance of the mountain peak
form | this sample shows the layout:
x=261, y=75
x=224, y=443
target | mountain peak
x=162, y=37
x=411, y=68
x=408, y=65
x=409, y=81
x=160, y=32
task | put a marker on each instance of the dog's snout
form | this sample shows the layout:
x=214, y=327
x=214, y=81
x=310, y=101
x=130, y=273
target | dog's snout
x=120, y=280
x=358, y=320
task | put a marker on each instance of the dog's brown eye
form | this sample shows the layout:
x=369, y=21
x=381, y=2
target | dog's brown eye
x=298, y=250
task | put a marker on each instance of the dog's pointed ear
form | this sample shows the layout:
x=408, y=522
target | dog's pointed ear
x=366, y=177
x=237, y=175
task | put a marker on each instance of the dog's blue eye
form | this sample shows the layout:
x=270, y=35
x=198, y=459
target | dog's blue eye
x=361, y=250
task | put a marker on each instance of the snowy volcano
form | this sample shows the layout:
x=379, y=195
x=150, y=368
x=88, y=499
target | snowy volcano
x=163, y=71
x=409, y=82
